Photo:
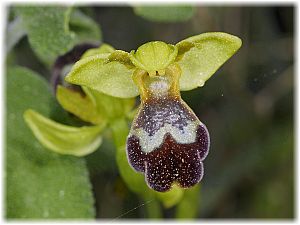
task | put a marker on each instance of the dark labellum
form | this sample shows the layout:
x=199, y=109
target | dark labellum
x=167, y=141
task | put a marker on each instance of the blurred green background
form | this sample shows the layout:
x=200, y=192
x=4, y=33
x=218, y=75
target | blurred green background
x=247, y=106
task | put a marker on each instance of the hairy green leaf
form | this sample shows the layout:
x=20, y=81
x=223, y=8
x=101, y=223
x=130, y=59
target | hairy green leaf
x=200, y=56
x=86, y=29
x=39, y=183
x=54, y=30
x=77, y=141
x=15, y=32
x=109, y=74
x=166, y=13
x=48, y=30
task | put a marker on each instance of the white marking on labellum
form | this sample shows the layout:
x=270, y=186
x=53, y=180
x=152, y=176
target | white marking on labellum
x=149, y=143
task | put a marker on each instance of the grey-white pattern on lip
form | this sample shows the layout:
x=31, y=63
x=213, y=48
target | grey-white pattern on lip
x=154, y=115
x=149, y=143
x=167, y=116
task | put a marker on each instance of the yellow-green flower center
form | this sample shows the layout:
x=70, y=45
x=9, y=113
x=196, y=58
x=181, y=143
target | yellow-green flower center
x=154, y=57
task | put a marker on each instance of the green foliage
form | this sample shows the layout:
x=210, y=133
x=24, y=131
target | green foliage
x=200, y=56
x=40, y=184
x=15, y=31
x=166, y=13
x=250, y=115
x=78, y=141
x=85, y=28
x=48, y=30
x=49, y=33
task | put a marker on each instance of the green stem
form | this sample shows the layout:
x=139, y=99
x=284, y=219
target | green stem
x=120, y=131
x=188, y=207
x=134, y=181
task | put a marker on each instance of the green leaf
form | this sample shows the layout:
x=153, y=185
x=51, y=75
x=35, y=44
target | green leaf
x=200, y=56
x=81, y=106
x=64, y=139
x=15, y=32
x=109, y=74
x=48, y=30
x=167, y=13
x=39, y=184
x=189, y=205
x=86, y=29
x=104, y=48
x=54, y=30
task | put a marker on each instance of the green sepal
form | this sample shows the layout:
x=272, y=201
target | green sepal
x=104, y=48
x=77, y=141
x=110, y=74
x=108, y=107
x=200, y=56
x=78, y=104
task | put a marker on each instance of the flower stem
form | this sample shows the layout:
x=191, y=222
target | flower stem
x=134, y=181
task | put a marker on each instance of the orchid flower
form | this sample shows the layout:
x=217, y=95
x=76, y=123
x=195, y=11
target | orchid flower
x=167, y=142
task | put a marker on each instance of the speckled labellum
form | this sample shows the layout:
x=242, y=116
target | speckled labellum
x=167, y=141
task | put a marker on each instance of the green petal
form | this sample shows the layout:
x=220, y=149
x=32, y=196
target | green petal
x=104, y=48
x=154, y=56
x=61, y=138
x=109, y=74
x=81, y=106
x=200, y=56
